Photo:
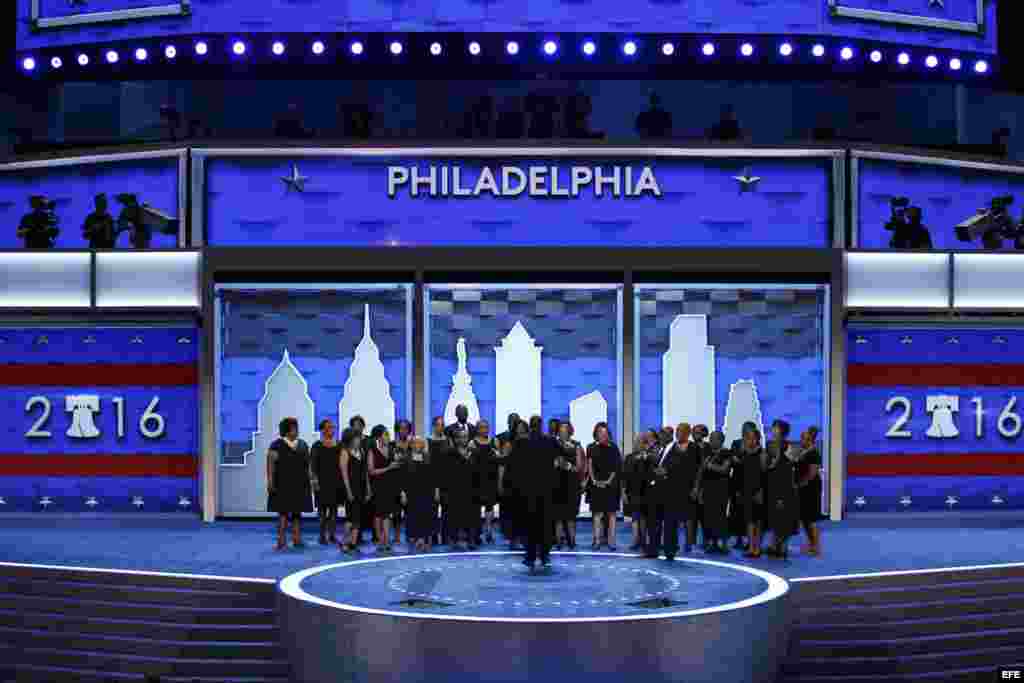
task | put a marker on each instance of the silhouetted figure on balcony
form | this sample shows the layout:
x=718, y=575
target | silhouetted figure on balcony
x=655, y=122
x=511, y=123
x=728, y=128
x=578, y=108
x=1000, y=142
x=542, y=109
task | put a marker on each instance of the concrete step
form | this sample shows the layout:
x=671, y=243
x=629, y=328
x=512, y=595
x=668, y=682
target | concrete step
x=973, y=675
x=133, y=593
x=124, y=663
x=895, y=580
x=914, y=645
x=877, y=595
x=52, y=674
x=935, y=607
x=264, y=614
x=812, y=629
x=143, y=647
x=55, y=622
x=929, y=663
x=135, y=578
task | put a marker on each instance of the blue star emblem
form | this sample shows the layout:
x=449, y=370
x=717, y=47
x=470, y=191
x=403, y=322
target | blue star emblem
x=295, y=181
x=937, y=3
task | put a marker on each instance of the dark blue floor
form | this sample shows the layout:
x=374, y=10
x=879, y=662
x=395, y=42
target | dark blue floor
x=246, y=548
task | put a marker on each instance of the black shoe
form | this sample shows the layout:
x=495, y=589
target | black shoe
x=649, y=556
x=323, y=541
x=529, y=564
x=670, y=558
x=546, y=561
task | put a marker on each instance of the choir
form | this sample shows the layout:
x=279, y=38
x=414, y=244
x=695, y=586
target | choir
x=444, y=488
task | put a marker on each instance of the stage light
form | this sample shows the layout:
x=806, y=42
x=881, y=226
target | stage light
x=474, y=48
x=435, y=49
x=668, y=49
x=318, y=47
x=746, y=49
x=785, y=49
x=955, y=64
x=846, y=54
x=28, y=64
x=708, y=49
x=356, y=48
x=277, y=48
x=202, y=48
x=629, y=48
x=112, y=57
x=876, y=56
x=589, y=48
x=818, y=50
x=550, y=48
x=141, y=54
x=931, y=61
x=903, y=59
x=981, y=66
x=396, y=48
x=56, y=62
x=170, y=52
x=511, y=47
x=83, y=60
x=238, y=48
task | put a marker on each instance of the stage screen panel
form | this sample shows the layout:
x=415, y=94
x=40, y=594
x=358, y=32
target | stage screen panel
x=305, y=351
x=507, y=198
x=947, y=193
x=952, y=24
x=99, y=419
x=934, y=418
x=548, y=350
x=722, y=355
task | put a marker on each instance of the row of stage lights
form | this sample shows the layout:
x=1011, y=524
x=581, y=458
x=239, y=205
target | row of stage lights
x=549, y=48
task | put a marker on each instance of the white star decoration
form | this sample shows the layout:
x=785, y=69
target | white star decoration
x=3, y=501
x=905, y=501
x=953, y=340
x=138, y=502
x=89, y=340
x=860, y=501
x=46, y=502
x=952, y=500
x=91, y=501
x=136, y=340
x=43, y=340
x=937, y=3
x=184, y=340
x=860, y=340
x=997, y=500
x=295, y=181
x=746, y=180
x=184, y=502
x=999, y=340
x=906, y=340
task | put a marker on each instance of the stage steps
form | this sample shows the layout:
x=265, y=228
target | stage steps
x=64, y=624
x=946, y=627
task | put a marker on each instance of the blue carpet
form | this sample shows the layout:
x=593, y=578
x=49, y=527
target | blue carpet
x=245, y=549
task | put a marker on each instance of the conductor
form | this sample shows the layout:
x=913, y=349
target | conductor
x=534, y=461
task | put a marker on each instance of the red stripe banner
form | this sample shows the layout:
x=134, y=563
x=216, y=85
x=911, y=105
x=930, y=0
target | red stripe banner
x=858, y=374
x=98, y=465
x=935, y=464
x=50, y=375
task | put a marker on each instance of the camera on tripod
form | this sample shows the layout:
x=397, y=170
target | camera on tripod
x=993, y=226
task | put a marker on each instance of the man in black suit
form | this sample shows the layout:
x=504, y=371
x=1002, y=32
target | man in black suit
x=461, y=424
x=668, y=493
x=534, y=460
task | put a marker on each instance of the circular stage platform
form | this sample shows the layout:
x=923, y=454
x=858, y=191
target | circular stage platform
x=484, y=616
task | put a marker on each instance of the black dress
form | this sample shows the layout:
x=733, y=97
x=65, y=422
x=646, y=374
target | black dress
x=566, y=501
x=604, y=461
x=386, y=487
x=636, y=475
x=810, y=493
x=715, y=493
x=751, y=487
x=463, y=513
x=682, y=478
x=325, y=469
x=485, y=474
x=292, y=493
x=357, y=480
x=737, y=518
x=781, y=504
x=421, y=484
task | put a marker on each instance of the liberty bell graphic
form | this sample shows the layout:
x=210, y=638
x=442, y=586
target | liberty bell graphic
x=942, y=409
x=82, y=409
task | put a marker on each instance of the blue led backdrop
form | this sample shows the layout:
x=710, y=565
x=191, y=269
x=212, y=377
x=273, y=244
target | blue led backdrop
x=335, y=354
x=99, y=419
x=576, y=328
x=344, y=201
x=722, y=356
x=73, y=188
x=947, y=196
x=934, y=419
x=594, y=16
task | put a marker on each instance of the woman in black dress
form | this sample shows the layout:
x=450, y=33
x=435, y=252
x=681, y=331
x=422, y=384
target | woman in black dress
x=401, y=448
x=636, y=473
x=809, y=485
x=512, y=524
x=355, y=485
x=485, y=476
x=289, y=492
x=569, y=489
x=421, y=496
x=439, y=448
x=384, y=478
x=714, y=492
x=781, y=503
x=605, y=485
x=753, y=495
x=737, y=516
x=325, y=457
x=463, y=512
